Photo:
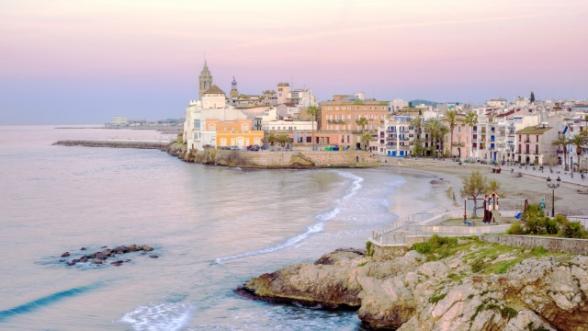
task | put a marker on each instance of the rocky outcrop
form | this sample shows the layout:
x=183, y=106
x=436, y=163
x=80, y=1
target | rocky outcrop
x=106, y=255
x=468, y=286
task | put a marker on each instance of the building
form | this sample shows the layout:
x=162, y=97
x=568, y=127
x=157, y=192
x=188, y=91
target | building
x=283, y=93
x=396, y=137
x=343, y=114
x=302, y=98
x=535, y=145
x=211, y=123
x=398, y=104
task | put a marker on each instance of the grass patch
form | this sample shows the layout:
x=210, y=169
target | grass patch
x=437, y=297
x=436, y=247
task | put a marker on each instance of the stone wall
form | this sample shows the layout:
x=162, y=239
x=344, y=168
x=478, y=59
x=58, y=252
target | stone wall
x=567, y=245
x=294, y=159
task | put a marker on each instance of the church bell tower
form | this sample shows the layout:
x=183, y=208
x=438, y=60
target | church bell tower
x=205, y=79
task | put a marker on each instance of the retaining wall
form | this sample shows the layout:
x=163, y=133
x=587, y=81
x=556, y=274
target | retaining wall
x=566, y=245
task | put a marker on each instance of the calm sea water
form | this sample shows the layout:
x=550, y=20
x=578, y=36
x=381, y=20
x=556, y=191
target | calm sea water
x=214, y=228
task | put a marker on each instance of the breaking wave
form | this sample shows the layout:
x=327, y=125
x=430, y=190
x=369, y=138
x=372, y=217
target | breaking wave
x=161, y=317
x=321, y=218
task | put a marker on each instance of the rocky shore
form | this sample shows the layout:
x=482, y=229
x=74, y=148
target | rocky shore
x=275, y=159
x=442, y=284
x=106, y=255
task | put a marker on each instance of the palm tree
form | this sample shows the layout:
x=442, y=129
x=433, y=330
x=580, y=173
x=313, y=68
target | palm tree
x=313, y=112
x=417, y=123
x=578, y=141
x=451, y=118
x=365, y=139
x=363, y=122
x=436, y=131
x=563, y=142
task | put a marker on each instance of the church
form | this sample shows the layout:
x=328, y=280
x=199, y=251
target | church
x=211, y=122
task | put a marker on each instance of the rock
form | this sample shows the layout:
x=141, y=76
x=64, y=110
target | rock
x=410, y=293
x=154, y=256
x=83, y=249
x=71, y=263
x=117, y=263
x=146, y=248
x=66, y=254
x=97, y=261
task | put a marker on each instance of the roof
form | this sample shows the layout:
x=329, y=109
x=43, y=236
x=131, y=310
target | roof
x=534, y=130
x=214, y=90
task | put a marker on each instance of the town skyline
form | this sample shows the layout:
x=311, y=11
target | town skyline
x=84, y=63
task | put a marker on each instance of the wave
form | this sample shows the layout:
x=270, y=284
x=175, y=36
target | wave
x=161, y=317
x=45, y=301
x=310, y=230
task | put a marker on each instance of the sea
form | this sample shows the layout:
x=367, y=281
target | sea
x=213, y=228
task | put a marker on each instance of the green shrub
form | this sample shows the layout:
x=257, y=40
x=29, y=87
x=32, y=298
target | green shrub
x=516, y=228
x=535, y=223
x=478, y=264
x=369, y=249
x=436, y=247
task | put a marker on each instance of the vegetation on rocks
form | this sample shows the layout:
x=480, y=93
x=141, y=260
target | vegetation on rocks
x=442, y=284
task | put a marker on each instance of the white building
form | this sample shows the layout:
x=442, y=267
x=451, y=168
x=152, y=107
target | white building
x=212, y=105
x=396, y=137
x=498, y=103
x=303, y=98
x=398, y=104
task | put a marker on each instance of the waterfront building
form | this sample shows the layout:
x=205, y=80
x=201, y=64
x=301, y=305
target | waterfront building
x=396, y=136
x=343, y=113
x=211, y=123
x=535, y=145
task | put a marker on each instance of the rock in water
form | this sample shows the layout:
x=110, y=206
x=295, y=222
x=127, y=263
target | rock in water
x=331, y=285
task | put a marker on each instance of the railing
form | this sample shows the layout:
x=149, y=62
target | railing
x=414, y=227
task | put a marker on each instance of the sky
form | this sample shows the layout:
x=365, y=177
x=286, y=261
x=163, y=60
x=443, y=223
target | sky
x=85, y=61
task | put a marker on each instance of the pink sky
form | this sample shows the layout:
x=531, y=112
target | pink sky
x=465, y=50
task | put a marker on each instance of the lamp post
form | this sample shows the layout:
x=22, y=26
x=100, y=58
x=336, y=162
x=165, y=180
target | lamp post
x=553, y=185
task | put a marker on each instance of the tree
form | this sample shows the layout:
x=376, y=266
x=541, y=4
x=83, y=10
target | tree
x=451, y=118
x=473, y=186
x=436, y=130
x=563, y=142
x=365, y=139
x=532, y=97
x=362, y=122
x=271, y=139
x=471, y=119
x=417, y=123
x=283, y=139
x=493, y=186
x=313, y=112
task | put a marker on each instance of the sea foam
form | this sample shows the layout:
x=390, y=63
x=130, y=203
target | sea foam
x=161, y=317
x=317, y=227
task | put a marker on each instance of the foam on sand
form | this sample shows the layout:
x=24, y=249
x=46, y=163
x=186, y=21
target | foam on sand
x=317, y=227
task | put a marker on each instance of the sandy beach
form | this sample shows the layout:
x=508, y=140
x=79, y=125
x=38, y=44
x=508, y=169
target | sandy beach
x=567, y=199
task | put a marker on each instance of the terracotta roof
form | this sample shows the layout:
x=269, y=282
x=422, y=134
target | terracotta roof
x=214, y=90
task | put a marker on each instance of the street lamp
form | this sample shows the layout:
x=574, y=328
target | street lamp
x=553, y=186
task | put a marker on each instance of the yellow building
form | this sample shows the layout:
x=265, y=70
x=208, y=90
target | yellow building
x=238, y=133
